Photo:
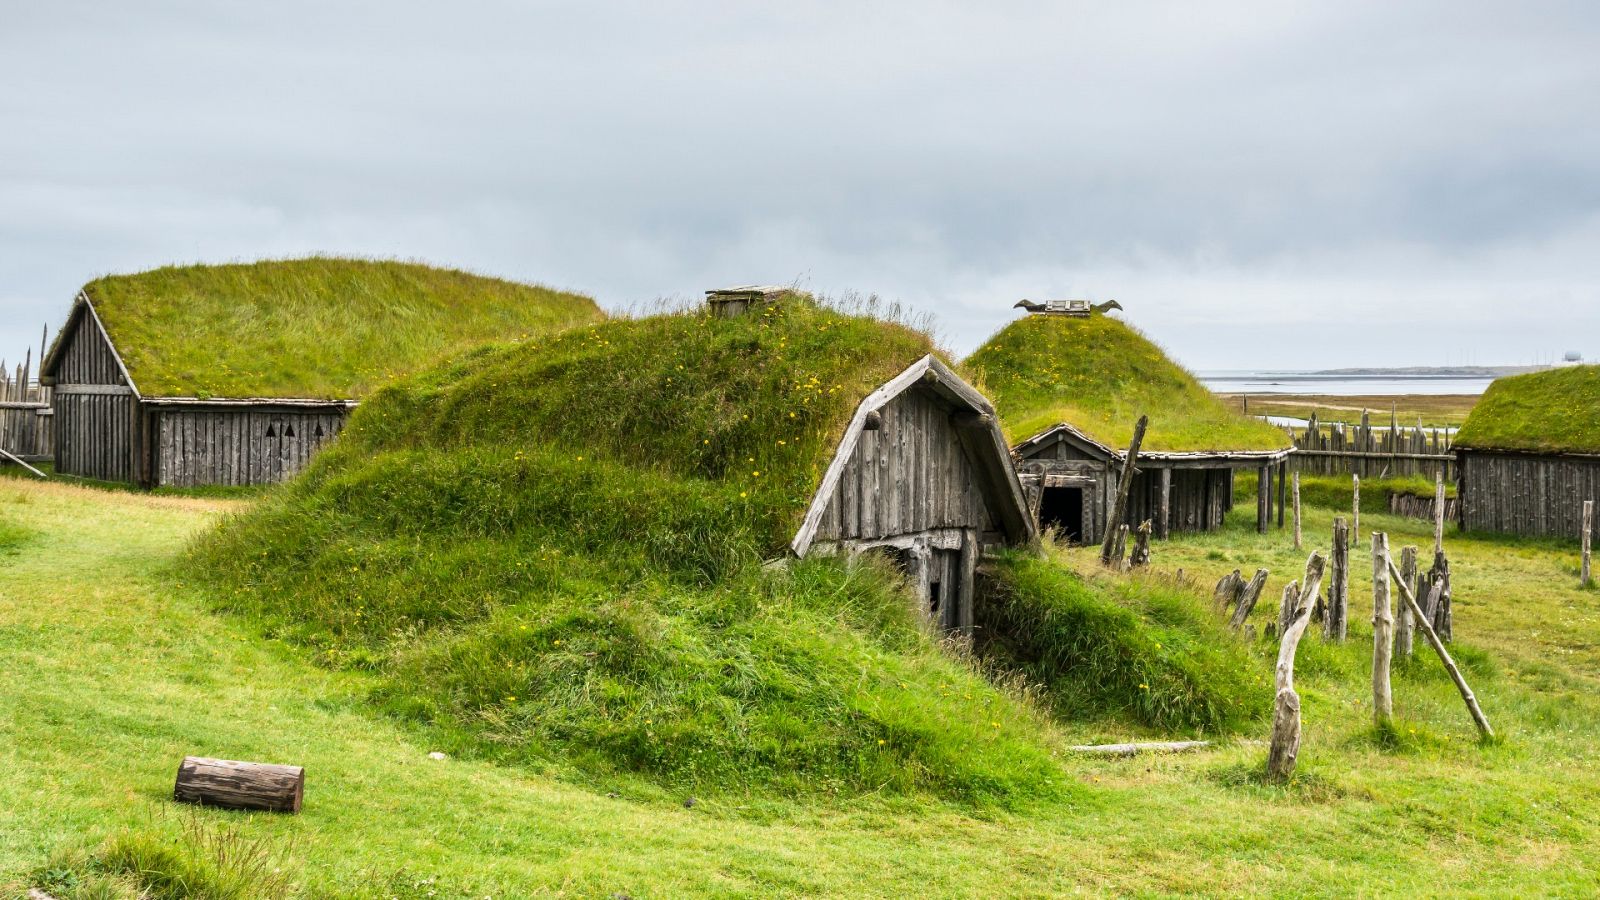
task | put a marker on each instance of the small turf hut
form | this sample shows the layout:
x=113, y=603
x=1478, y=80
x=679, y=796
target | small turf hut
x=1529, y=453
x=1070, y=388
x=237, y=374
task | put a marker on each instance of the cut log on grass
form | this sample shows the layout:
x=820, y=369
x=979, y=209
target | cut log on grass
x=1138, y=748
x=239, y=785
x=1124, y=484
x=1247, y=599
x=1335, y=622
x=1382, y=633
x=1284, y=746
x=1467, y=696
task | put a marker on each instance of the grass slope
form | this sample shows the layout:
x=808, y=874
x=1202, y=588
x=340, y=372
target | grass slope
x=553, y=551
x=115, y=669
x=1100, y=374
x=1544, y=412
x=319, y=328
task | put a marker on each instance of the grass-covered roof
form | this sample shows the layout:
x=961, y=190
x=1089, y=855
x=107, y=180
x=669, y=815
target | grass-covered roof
x=1557, y=411
x=1100, y=375
x=322, y=327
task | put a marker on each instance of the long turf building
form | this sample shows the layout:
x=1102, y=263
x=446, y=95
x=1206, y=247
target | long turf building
x=238, y=374
x=1529, y=454
x=1070, y=387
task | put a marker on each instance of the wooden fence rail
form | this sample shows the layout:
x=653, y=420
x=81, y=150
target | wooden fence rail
x=1371, y=451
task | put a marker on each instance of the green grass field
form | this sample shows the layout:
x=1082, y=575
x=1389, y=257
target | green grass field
x=114, y=669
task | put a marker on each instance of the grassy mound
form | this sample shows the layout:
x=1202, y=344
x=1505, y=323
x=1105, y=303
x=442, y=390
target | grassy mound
x=551, y=552
x=1145, y=650
x=1543, y=412
x=314, y=328
x=1100, y=374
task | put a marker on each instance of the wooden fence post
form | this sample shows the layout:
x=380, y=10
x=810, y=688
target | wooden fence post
x=1382, y=633
x=1286, y=606
x=1297, y=510
x=1403, y=624
x=1124, y=484
x=1164, y=511
x=1588, y=529
x=1444, y=656
x=1285, y=743
x=1440, y=617
x=1140, y=557
x=1263, y=498
x=1355, y=508
x=1335, y=622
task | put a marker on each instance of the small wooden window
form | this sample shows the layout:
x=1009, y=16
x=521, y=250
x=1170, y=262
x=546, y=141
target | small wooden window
x=288, y=431
x=271, y=431
x=318, y=432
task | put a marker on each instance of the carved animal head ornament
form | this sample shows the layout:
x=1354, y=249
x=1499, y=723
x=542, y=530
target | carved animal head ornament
x=1080, y=308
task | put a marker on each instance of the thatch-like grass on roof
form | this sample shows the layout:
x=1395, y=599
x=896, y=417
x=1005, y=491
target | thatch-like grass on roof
x=1100, y=375
x=322, y=327
x=1557, y=411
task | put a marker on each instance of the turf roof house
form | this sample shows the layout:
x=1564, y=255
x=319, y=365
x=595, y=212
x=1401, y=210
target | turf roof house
x=1528, y=456
x=238, y=374
x=1071, y=384
x=921, y=473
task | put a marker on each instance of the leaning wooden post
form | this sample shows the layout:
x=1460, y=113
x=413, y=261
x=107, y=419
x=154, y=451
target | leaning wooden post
x=1355, y=508
x=1335, y=622
x=1124, y=485
x=1247, y=599
x=1297, y=510
x=1588, y=529
x=1285, y=744
x=1444, y=656
x=1403, y=624
x=1382, y=633
x=1438, y=513
x=1286, y=606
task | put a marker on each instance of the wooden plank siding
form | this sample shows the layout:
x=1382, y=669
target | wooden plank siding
x=238, y=445
x=1526, y=494
x=94, y=431
x=909, y=476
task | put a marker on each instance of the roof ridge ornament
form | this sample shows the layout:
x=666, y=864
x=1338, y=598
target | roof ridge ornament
x=1081, y=309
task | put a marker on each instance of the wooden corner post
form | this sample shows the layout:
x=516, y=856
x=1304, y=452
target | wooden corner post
x=1382, y=633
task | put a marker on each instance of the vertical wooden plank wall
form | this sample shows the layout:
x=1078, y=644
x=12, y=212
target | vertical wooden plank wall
x=1368, y=450
x=1526, y=494
x=238, y=445
x=93, y=432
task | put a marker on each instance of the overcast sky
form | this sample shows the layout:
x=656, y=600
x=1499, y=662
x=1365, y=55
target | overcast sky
x=1269, y=184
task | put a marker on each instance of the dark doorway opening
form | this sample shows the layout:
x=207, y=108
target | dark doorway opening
x=1061, y=508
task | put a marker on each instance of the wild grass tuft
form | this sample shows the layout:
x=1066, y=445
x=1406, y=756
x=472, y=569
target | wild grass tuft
x=195, y=862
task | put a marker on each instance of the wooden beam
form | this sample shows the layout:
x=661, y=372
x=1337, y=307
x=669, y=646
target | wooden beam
x=1382, y=633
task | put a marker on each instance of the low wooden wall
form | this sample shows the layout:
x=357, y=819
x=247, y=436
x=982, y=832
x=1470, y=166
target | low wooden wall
x=1527, y=494
x=26, y=425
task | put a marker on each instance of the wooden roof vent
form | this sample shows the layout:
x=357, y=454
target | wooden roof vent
x=736, y=301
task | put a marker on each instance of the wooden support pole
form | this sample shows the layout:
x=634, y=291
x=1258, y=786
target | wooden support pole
x=1444, y=656
x=1263, y=498
x=1382, y=633
x=1588, y=529
x=1335, y=623
x=1438, y=513
x=239, y=785
x=1283, y=490
x=1164, y=510
x=1297, y=510
x=1403, y=623
x=1285, y=742
x=1124, y=485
